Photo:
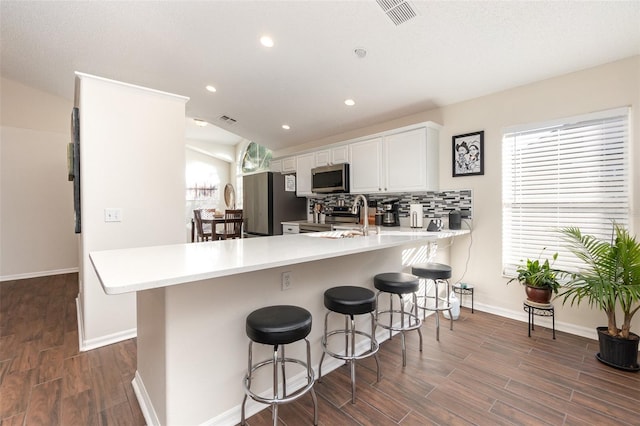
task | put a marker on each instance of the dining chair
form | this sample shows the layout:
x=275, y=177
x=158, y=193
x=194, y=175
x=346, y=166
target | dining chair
x=203, y=230
x=232, y=227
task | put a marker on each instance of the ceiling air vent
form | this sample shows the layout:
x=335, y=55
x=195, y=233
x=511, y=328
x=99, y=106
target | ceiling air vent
x=226, y=119
x=399, y=11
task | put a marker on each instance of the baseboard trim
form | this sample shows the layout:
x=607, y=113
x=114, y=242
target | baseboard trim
x=38, y=274
x=543, y=321
x=98, y=342
x=146, y=406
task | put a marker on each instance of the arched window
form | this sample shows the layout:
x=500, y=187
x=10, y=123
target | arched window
x=256, y=158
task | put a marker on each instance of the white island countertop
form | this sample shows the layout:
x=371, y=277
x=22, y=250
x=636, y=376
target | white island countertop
x=144, y=268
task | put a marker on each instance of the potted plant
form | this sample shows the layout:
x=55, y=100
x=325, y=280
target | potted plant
x=610, y=281
x=539, y=279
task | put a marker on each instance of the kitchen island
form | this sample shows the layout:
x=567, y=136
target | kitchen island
x=192, y=301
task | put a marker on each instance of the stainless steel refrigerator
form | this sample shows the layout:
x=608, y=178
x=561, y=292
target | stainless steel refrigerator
x=266, y=204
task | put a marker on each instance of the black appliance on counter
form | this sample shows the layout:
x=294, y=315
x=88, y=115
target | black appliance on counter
x=390, y=212
x=266, y=204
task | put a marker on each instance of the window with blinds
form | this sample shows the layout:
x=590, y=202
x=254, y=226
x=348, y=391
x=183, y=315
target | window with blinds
x=571, y=172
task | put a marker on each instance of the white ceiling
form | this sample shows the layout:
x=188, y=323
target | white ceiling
x=452, y=51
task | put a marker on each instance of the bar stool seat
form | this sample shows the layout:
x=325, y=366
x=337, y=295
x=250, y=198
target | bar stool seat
x=438, y=273
x=350, y=301
x=278, y=326
x=399, y=284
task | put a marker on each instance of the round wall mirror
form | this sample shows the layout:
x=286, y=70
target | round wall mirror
x=229, y=196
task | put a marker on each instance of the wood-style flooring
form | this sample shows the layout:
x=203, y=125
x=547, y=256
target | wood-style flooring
x=485, y=372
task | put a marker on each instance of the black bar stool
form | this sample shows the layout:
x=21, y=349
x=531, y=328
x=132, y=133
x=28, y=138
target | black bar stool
x=399, y=284
x=279, y=326
x=439, y=274
x=350, y=301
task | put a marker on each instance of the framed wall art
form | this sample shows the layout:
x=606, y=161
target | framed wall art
x=468, y=154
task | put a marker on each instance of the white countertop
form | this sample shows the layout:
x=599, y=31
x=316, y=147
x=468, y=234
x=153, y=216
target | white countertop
x=136, y=269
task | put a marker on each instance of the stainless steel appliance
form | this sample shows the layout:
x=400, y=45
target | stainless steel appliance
x=390, y=213
x=266, y=204
x=342, y=214
x=330, y=179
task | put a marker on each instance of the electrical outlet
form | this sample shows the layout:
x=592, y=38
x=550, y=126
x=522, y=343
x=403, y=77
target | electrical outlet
x=113, y=215
x=287, y=283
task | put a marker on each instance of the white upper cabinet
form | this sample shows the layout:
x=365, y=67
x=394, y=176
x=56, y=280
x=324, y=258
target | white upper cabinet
x=289, y=165
x=366, y=160
x=304, y=164
x=398, y=160
x=401, y=160
x=275, y=166
x=335, y=155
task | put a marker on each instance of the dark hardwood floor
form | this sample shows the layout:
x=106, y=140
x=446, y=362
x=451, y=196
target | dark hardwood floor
x=486, y=372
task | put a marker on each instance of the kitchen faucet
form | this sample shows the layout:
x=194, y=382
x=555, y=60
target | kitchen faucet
x=354, y=210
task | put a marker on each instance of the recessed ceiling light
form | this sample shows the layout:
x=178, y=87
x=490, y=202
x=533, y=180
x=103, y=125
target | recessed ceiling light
x=286, y=127
x=211, y=88
x=200, y=122
x=266, y=41
x=349, y=102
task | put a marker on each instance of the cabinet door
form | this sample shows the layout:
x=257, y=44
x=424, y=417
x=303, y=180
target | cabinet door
x=323, y=158
x=405, y=155
x=365, y=157
x=276, y=166
x=304, y=164
x=289, y=165
x=340, y=155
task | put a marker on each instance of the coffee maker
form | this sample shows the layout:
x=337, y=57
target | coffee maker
x=390, y=215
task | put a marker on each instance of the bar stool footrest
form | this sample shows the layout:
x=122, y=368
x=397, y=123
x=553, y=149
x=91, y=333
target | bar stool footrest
x=348, y=357
x=286, y=398
x=408, y=315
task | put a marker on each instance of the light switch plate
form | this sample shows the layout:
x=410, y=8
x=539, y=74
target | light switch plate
x=113, y=215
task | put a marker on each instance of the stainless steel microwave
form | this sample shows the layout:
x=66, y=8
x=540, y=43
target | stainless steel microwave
x=330, y=179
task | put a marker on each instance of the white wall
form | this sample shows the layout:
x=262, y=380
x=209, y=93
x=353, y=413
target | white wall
x=132, y=158
x=609, y=86
x=36, y=199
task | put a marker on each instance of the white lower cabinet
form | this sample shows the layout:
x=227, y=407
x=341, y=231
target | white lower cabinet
x=290, y=228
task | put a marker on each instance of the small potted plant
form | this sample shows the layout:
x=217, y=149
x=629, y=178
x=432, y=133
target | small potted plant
x=539, y=279
x=610, y=281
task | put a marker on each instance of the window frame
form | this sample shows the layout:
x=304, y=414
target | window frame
x=520, y=215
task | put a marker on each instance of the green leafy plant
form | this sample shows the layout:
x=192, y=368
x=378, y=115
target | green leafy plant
x=536, y=273
x=610, y=277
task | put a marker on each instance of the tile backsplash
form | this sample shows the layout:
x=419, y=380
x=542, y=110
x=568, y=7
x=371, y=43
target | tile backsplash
x=435, y=204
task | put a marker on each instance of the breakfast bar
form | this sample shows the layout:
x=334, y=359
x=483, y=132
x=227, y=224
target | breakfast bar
x=192, y=301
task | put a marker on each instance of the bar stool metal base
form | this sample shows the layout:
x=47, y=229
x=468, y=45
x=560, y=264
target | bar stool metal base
x=438, y=274
x=278, y=326
x=399, y=284
x=350, y=356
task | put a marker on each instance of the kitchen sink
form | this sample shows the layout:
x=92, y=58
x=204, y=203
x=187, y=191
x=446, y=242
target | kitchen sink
x=346, y=233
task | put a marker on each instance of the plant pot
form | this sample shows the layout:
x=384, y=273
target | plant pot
x=537, y=294
x=617, y=352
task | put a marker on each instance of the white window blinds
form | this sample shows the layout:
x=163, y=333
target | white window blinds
x=560, y=174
